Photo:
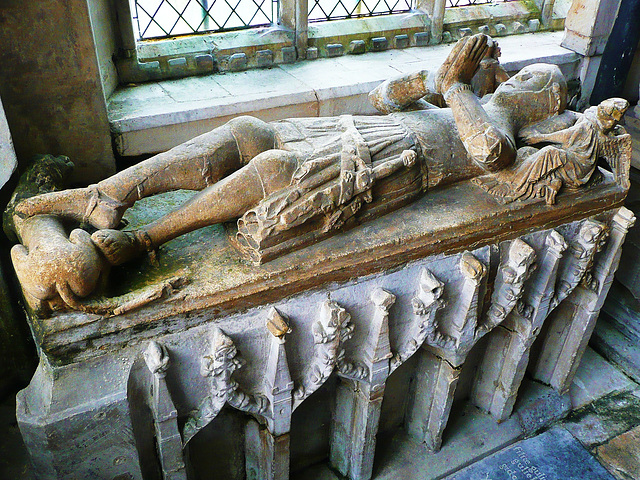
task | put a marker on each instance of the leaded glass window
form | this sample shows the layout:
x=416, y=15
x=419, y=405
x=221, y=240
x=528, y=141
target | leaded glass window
x=164, y=18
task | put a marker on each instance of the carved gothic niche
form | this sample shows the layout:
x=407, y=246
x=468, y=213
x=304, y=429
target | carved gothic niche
x=426, y=302
x=375, y=350
x=330, y=331
x=219, y=365
x=462, y=323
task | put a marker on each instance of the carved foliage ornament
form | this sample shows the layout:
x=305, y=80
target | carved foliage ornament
x=330, y=331
x=219, y=366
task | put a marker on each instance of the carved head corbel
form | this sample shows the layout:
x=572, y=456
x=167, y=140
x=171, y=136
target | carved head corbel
x=592, y=235
x=157, y=358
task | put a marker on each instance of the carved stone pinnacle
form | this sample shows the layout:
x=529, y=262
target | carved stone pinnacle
x=471, y=267
x=156, y=358
x=277, y=324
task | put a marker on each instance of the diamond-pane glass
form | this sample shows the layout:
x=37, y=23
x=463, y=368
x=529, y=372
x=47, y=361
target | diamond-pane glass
x=164, y=18
x=321, y=10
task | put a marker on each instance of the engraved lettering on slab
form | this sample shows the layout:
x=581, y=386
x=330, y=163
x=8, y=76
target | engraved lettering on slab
x=521, y=467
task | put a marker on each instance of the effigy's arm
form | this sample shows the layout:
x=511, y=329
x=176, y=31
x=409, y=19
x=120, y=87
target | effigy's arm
x=417, y=90
x=489, y=144
x=401, y=92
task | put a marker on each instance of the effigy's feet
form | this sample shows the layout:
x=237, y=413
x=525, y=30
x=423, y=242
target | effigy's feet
x=117, y=246
x=82, y=204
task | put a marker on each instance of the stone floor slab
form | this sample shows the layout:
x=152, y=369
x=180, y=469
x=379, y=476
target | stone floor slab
x=317, y=472
x=596, y=377
x=605, y=418
x=469, y=436
x=539, y=406
x=553, y=455
x=621, y=455
x=622, y=308
x=616, y=347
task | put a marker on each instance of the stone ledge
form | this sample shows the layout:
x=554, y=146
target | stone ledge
x=153, y=117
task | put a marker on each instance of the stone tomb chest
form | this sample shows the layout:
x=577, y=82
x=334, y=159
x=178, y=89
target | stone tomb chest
x=240, y=371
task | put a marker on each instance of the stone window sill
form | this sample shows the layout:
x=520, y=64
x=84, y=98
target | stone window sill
x=156, y=116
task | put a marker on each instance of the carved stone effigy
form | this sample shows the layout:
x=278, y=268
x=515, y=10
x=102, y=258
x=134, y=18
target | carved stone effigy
x=308, y=357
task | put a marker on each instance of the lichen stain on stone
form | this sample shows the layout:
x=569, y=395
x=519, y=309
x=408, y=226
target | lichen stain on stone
x=621, y=409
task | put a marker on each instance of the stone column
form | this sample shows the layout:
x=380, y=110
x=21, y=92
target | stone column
x=294, y=15
x=572, y=323
x=507, y=353
x=359, y=398
x=439, y=368
x=441, y=360
x=431, y=399
x=267, y=449
x=547, y=12
x=435, y=9
x=165, y=415
x=587, y=28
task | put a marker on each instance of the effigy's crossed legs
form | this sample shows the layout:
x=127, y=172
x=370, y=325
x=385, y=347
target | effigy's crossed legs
x=225, y=200
x=234, y=167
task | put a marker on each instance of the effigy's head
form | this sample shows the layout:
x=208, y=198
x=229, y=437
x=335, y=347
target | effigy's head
x=535, y=93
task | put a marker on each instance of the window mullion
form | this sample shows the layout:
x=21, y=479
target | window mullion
x=547, y=12
x=294, y=14
x=125, y=23
x=435, y=9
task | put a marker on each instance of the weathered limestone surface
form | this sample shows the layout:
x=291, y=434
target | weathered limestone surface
x=238, y=348
x=572, y=324
x=554, y=454
x=51, y=84
x=500, y=375
x=588, y=25
x=621, y=455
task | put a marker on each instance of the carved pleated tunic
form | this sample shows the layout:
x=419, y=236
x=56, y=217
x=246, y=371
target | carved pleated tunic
x=348, y=167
